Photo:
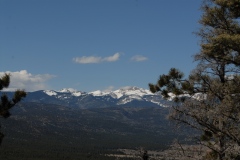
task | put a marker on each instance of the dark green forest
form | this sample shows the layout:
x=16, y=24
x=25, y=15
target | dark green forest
x=41, y=131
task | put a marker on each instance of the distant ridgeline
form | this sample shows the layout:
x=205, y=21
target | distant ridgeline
x=131, y=96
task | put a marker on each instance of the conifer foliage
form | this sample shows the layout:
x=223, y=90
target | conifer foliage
x=6, y=104
x=209, y=98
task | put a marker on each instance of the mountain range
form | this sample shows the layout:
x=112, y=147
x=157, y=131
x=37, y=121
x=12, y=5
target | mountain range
x=128, y=96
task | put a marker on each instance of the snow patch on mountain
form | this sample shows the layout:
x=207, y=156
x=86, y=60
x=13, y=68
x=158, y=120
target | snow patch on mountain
x=98, y=93
x=197, y=96
x=128, y=99
x=50, y=92
x=72, y=91
x=130, y=91
x=77, y=94
x=67, y=90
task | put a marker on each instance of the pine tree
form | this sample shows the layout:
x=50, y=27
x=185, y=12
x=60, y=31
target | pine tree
x=209, y=98
x=6, y=104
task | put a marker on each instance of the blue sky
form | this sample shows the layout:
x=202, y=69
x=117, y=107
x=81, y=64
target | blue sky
x=95, y=44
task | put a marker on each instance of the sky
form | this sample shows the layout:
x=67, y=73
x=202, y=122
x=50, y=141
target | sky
x=93, y=45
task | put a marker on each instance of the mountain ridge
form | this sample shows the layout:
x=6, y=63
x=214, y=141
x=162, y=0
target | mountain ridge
x=127, y=96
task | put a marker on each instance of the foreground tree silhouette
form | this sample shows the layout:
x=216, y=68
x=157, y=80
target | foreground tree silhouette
x=6, y=104
x=209, y=98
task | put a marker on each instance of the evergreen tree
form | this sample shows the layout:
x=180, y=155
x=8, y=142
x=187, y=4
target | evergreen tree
x=209, y=98
x=6, y=104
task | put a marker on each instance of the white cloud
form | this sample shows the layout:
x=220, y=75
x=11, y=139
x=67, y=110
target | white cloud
x=112, y=58
x=139, y=58
x=27, y=81
x=95, y=59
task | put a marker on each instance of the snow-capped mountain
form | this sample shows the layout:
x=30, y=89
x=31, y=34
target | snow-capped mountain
x=127, y=96
x=131, y=91
x=72, y=91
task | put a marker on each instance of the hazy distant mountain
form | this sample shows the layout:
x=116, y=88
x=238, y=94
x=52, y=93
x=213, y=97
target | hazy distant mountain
x=128, y=96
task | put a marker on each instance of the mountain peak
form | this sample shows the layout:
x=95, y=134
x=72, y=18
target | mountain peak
x=74, y=92
x=69, y=90
x=133, y=91
x=50, y=92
